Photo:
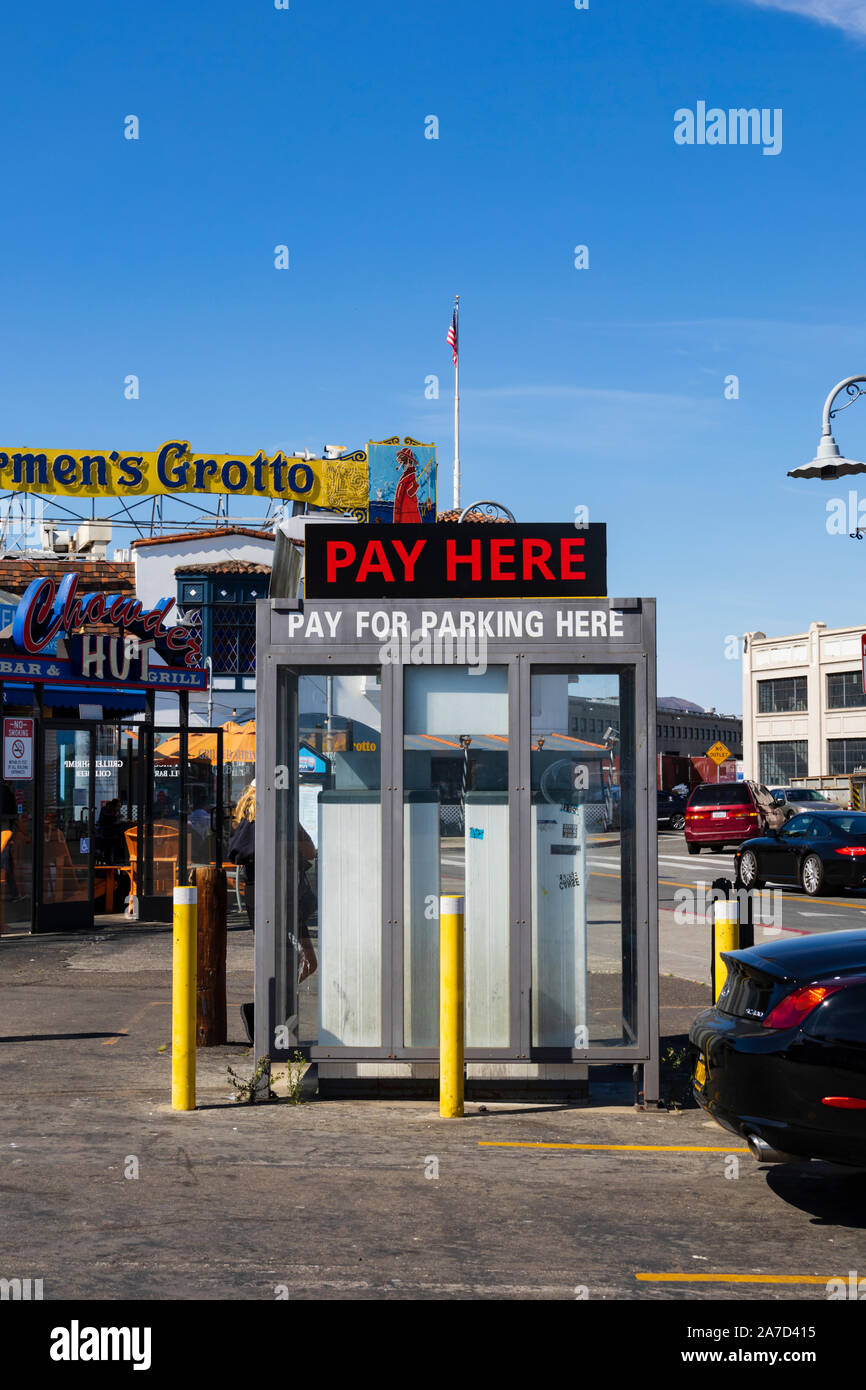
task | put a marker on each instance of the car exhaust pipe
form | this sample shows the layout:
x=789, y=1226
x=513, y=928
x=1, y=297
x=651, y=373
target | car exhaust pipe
x=763, y=1152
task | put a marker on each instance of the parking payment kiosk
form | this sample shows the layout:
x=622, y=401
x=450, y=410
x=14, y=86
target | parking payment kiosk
x=480, y=715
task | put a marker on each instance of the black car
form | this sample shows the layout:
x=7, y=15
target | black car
x=672, y=810
x=781, y=1059
x=818, y=850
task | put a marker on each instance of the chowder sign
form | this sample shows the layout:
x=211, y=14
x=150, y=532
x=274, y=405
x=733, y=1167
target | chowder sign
x=47, y=612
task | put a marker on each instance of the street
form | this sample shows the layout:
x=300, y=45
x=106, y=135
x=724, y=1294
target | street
x=685, y=883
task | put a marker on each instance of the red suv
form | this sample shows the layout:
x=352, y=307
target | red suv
x=726, y=813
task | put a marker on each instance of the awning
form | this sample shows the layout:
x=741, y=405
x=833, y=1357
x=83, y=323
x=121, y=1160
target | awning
x=109, y=697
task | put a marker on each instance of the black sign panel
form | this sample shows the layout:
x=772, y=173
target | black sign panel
x=472, y=560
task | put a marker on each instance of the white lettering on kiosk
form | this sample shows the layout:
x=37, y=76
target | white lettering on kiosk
x=502, y=623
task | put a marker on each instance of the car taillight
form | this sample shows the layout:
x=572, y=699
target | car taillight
x=852, y=849
x=845, y=1102
x=791, y=1010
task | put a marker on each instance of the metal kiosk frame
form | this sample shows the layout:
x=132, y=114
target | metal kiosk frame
x=392, y=1066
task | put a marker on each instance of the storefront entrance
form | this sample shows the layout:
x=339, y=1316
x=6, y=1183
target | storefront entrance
x=111, y=820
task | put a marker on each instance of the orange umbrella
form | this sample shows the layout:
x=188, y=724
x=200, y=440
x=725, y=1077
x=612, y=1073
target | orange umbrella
x=239, y=744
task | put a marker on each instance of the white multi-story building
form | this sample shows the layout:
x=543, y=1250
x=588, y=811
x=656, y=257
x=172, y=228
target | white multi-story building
x=804, y=709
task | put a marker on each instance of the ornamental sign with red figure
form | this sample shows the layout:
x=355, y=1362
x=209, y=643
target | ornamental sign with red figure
x=468, y=560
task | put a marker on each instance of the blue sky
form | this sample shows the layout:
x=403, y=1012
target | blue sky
x=602, y=387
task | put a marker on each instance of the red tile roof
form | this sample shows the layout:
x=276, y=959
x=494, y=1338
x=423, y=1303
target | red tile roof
x=218, y=533
x=96, y=576
x=224, y=567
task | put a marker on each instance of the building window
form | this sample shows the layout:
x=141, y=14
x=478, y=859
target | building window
x=845, y=690
x=222, y=607
x=784, y=696
x=845, y=754
x=234, y=640
x=779, y=762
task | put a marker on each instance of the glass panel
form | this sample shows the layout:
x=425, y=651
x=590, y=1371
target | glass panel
x=584, y=948
x=845, y=690
x=845, y=755
x=329, y=858
x=455, y=841
x=113, y=794
x=779, y=762
x=66, y=828
x=782, y=696
x=16, y=856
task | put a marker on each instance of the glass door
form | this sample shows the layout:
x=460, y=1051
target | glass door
x=583, y=859
x=456, y=836
x=66, y=843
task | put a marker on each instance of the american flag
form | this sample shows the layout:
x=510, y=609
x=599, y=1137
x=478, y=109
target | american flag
x=451, y=340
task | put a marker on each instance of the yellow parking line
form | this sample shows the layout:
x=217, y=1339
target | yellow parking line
x=738, y=1278
x=109, y=1042
x=627, y=1148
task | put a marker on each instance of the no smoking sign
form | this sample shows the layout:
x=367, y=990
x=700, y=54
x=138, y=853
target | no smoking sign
x=17, y=750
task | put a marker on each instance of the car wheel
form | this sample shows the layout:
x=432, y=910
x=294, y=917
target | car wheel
x=693, y=849
x=749, y=876
x=677, y=822
x=812, y=875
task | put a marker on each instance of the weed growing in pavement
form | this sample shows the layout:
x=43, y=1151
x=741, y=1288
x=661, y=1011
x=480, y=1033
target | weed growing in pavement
x=248, y=1091
x=294, y=1076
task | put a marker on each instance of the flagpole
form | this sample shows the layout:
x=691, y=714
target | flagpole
x=457, y=408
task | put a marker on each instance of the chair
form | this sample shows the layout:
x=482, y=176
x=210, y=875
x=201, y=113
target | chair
x=233, y=880
x=166, y=841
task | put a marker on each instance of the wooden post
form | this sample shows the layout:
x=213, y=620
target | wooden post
x=211, y=979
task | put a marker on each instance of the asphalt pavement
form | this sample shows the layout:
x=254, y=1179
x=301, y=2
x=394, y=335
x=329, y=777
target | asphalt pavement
x=110, y=1194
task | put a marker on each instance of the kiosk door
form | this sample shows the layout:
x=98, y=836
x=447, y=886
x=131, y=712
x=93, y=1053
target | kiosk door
x=65, y=845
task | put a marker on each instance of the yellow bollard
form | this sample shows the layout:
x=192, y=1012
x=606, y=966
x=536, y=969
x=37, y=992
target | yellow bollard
x=183, y=966
x=451, y=1007
x=726, y=937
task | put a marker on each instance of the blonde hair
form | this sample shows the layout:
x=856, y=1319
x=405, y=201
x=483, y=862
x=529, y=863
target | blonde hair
x=246, y=806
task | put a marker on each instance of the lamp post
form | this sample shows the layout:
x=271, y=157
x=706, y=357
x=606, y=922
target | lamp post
x=828, y=462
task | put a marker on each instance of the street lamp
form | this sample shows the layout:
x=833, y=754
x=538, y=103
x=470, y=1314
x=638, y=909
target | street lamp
x=828, y=463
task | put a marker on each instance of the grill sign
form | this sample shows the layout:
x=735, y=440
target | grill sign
x=484, y=560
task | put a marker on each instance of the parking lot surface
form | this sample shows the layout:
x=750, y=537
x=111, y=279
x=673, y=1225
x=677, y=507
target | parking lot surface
x=109, y=1194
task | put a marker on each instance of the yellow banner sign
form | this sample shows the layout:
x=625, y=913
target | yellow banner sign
x=338, y=483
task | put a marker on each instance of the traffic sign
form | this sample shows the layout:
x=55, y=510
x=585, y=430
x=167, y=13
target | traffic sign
x=718, y=753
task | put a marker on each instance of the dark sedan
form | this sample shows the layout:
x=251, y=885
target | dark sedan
x=819, y=850
x=672, y=809
x=781, y=1059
